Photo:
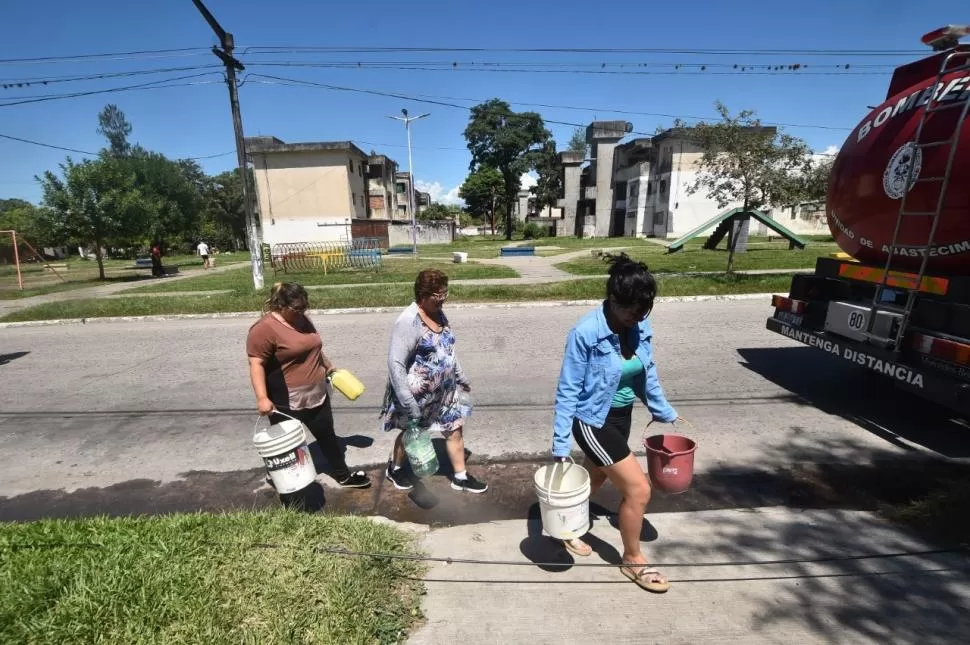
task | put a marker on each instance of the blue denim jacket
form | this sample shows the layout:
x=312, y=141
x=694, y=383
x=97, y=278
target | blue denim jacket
x=590, y=375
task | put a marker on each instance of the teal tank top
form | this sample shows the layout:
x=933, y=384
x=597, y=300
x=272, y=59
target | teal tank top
x=632, y=368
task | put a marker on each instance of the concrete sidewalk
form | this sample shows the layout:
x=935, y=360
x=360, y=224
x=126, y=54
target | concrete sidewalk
x=913, y=598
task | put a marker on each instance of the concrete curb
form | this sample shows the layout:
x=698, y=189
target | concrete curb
x=369, y=310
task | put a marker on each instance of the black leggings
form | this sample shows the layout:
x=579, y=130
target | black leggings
x=319, y=421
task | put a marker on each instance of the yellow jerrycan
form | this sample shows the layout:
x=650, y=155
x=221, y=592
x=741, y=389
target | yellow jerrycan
x=348, y=384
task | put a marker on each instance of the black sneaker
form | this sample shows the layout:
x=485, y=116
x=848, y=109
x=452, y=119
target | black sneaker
x=399, y=478
x=469, y=484
x=358, y=479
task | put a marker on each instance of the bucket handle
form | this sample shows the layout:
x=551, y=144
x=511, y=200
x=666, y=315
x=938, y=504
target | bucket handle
x=275, y=411
x=562, y=472
x=649, y=423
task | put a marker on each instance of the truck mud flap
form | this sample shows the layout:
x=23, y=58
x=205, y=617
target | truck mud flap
x=925, y=382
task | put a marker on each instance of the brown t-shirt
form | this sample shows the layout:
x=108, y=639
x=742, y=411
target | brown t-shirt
x=293, y=361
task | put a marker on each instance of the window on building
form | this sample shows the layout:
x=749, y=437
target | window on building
x=659, y=218
x=399, y=187
x=649, y=188
x=663, y=186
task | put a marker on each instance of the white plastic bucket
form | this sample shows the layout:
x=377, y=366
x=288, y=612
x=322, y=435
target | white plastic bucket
x=459, y=257
x=563, y=492
x=284, y=450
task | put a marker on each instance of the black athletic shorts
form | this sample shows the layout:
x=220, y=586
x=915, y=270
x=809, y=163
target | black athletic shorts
x=607, y=445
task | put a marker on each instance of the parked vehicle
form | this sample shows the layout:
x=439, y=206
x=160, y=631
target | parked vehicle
x=898, y=300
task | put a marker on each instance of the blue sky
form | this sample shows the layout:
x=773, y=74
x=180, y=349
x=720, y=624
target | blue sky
x=194, y=120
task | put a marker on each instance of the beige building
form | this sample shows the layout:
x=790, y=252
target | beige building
x=308, y=191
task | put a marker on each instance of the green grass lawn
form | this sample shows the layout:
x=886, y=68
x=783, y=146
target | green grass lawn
x=394, y=270
x=392, y=295
x=80, y=273
x=488, y=247
x=187, y=579
x=32, y=288
x=761, y=254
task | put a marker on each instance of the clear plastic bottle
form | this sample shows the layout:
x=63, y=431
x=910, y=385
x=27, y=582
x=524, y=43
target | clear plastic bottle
x=465, y=402
x=420, y=450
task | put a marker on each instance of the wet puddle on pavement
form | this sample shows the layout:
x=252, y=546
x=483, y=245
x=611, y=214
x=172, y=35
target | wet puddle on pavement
x=510, y=494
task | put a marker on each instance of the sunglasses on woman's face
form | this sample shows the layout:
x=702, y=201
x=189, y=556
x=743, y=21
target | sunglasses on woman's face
x=299, y=309
x=440, y=297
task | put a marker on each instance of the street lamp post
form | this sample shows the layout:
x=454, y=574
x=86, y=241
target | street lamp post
x=407, y=126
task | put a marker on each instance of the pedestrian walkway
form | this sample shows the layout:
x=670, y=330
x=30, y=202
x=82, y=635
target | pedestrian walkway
x=762, y=575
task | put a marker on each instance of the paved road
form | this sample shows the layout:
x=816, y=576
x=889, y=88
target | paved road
x=107, y=403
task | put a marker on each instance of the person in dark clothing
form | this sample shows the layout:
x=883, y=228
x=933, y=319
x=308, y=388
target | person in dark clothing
x=157, y=269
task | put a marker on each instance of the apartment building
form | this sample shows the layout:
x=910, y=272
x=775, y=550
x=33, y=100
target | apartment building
x=403, y=185
x=308, y=191
x=638, y=188
x=382, y=199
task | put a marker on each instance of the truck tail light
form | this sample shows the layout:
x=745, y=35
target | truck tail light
x=783, y=303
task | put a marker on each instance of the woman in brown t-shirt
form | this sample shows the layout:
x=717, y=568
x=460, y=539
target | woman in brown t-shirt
x=288, y=370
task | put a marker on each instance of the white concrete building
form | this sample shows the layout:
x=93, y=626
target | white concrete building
x=647, y=194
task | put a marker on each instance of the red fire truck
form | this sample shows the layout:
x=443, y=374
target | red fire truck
x=898, y=205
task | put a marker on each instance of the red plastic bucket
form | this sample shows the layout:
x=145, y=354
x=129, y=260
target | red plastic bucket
x=670, y=462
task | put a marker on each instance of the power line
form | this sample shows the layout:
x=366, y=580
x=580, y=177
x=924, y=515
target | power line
x=597, y=63
x=48, y=145
x=401, y=145
x=278, y=49
x=149, y=85
x=441, y=100
x=291, y=81
x=145, y=53
x=587, y=50
x=95, y=154
x=738, y=70
x=49, y=80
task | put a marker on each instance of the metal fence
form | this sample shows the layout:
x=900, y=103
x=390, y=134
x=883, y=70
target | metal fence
x=359, y=253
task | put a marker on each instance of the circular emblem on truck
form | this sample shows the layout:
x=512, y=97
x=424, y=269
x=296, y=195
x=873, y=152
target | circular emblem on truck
x=897, y=170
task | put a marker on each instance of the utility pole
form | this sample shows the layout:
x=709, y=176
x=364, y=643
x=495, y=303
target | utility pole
x=232, y=65
x=407, y=126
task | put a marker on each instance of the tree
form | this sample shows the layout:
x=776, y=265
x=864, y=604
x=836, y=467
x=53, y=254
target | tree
x=548, y=188
x=745, y=162
x=95, y=201
x=114, y=127
x=484, y=194
x=437, y=211
x=577, y=143
x=223, y=215
x=505, y=140
x=171, y=192
x=30, y=222
x=815, y=179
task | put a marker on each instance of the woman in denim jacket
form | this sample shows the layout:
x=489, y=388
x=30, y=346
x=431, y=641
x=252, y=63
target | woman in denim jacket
x=607, y=365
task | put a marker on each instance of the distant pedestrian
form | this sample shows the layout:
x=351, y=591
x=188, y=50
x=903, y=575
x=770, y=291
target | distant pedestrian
x=608, y=365
x=203, y=250
x=157, y=269
x=288, y=371
x=425, y=376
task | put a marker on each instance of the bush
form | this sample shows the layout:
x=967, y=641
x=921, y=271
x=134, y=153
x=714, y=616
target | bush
x=532, y=231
